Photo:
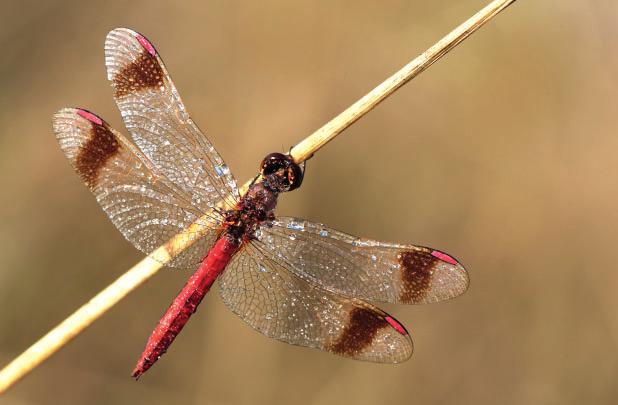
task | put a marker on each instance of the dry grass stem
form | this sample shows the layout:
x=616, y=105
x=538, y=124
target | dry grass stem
x=142, y=271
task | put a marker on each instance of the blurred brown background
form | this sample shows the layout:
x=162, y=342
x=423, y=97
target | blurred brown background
x=502, y=154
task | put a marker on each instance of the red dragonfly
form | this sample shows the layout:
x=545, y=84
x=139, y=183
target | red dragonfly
x=293, y=280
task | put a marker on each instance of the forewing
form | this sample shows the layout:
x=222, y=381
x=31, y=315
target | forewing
x=159, y=123
x=143, y=204
x=279, y=304
x=363, y=268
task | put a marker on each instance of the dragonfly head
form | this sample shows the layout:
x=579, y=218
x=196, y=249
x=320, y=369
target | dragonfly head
x=281, y=172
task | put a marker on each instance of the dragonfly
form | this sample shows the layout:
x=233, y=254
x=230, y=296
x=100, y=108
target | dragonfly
x=293, y=280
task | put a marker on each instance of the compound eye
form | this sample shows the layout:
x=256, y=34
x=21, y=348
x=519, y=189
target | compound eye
x=273, y=162
x=294, y=176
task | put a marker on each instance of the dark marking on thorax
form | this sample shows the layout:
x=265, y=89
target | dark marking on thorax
x=92, y=157
x=359, y=333
x=143, y=73
x=255, y=207
x=416, y=273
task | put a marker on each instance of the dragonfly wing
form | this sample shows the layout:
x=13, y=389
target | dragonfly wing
x=159, y=123
x=279, y=304
x=143, y=204
x=363, y=268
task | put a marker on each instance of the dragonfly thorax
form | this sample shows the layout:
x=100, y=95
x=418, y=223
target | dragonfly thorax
x=255, y=207
x=279, y=173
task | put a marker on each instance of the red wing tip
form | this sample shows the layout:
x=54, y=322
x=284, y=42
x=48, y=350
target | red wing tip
x=444, y=257
x=396, y=325
x=89, y=116
x=146, y=44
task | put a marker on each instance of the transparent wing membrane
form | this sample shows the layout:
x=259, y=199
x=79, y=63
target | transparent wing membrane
x=266, y=295
x=158, y=121
x=175, y=176
x=142, y=203
x=363, y=268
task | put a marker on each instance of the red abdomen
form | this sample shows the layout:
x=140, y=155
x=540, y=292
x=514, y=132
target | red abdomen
x=185, y=304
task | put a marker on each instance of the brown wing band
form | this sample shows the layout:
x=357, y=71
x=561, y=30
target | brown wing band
x=92, y=157
x=143, y=73
x=359, y=333
x=416, y=274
